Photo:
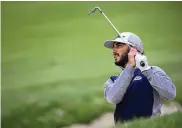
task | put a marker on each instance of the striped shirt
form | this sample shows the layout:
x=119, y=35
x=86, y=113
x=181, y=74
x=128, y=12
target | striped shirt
x=163, y=87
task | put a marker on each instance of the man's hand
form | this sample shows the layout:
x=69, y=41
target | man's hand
x=142, y=62
x=131, y=57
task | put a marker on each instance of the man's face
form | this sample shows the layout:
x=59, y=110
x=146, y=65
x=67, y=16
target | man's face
x=120, y=54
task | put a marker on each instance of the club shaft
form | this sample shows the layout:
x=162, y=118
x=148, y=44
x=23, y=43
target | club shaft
x=111, y=23
x=97, y=8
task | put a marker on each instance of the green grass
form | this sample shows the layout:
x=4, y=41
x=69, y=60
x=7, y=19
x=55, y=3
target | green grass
x=54, y=64
x=167, y=121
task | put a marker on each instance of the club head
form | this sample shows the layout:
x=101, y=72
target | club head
x=94, y=9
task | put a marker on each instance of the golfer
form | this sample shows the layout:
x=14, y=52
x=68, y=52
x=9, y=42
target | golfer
x=138, y=90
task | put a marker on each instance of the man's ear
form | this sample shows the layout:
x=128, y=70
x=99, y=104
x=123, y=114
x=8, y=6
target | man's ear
x=136, y=49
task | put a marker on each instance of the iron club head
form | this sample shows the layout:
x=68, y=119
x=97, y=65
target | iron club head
x=94, y=9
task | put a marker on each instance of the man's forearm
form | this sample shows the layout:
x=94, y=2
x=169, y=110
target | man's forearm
x=115, y=90
x=161, y=82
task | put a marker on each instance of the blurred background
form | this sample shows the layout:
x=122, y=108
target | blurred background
x=54, y=64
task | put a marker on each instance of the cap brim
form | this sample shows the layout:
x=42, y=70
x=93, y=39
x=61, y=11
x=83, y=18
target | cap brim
x=109, y=43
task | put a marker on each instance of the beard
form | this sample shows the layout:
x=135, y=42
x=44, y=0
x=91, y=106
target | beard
x=123, y=59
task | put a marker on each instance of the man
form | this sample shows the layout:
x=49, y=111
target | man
x=138, y=90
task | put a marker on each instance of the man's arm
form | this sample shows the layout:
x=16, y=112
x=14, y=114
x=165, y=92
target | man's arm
x=115, y=90
x=161, y=82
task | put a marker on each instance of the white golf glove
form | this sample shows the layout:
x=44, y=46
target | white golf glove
x=141, y=62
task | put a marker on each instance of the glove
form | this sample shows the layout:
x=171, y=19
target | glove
x=141, y=62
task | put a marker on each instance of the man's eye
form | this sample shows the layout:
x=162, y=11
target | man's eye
x=117, y=46
x=120, y=45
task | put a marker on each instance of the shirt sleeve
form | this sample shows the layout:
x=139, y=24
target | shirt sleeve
x=114, y=90
x=161, y=82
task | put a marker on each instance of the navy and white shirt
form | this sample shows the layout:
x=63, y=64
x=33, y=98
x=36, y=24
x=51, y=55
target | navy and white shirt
x=137, y=93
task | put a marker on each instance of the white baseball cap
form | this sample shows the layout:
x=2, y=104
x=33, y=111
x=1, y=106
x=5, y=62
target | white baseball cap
x=128, y=38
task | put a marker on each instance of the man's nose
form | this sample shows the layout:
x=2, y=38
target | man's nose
x=114, y=50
